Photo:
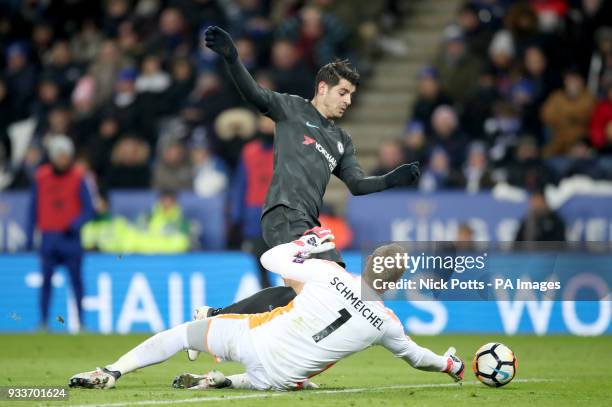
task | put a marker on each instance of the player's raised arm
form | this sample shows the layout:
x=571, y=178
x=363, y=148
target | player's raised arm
x=290, y=259
x=265, y=100
x=350, y=172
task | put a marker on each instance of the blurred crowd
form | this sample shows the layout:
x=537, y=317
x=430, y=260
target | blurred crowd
x=145, y=105
x=127, y=88
x=520, y=92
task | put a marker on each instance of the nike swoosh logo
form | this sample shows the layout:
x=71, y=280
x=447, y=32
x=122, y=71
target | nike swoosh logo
x=505, y=375
x=311, y=125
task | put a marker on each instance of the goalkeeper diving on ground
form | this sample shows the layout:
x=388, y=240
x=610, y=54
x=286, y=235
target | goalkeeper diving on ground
x=282, y=349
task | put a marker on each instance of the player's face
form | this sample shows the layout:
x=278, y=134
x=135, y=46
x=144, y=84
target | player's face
x=338, y=99
x=62, y=161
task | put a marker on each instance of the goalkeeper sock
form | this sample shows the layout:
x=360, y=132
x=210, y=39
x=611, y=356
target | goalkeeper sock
x=240, y=381
x=423, y=359
x=154, y=350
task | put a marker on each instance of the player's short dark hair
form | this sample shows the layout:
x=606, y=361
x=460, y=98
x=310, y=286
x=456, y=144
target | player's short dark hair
x=388, y=274
x=334, y=71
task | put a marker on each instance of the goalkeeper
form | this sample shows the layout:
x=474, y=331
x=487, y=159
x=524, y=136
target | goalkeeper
x=308, y=149
x=332, y=317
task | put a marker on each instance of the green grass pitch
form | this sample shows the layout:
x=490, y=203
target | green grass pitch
x=552, y=371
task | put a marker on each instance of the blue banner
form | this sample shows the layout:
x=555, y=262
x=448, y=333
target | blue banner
x=206, y=215
x=152, y=293
x=385, y=216
x=414, y=216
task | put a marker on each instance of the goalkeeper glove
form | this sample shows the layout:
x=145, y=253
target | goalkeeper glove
x=315, y=240
x=221, y=42
x=404, y=175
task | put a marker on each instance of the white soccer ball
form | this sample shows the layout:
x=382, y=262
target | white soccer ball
x=494, y=364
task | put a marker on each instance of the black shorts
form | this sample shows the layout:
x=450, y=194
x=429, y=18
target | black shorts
x=282, y=224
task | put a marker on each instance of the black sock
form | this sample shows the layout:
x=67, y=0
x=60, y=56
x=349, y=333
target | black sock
x=262, y=301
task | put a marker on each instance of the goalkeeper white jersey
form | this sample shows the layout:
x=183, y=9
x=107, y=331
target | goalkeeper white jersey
x=326, y=322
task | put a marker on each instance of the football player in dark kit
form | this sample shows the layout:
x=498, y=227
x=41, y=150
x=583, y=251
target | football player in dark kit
x=308, y=149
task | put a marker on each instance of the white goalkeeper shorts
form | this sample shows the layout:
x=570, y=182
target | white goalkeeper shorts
x=228, y=338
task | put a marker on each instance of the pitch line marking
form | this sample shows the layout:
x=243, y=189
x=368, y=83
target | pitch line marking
x=285, y=393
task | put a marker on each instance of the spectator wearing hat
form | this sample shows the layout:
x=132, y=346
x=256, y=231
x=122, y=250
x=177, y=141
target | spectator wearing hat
x=457, y=67
x=429, y=96
x=523, y=99
x=566, y=113
x=127, y=106
x=61, y=202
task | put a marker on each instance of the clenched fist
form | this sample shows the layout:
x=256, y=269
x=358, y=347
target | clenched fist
x=221, y=42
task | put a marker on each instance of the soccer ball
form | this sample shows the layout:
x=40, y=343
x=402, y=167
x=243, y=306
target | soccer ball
x=494, y=364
